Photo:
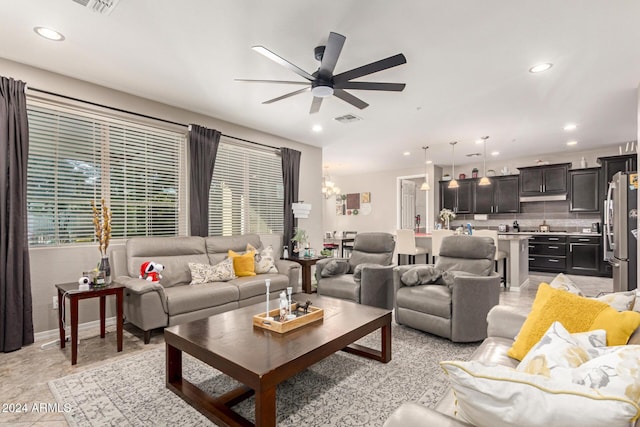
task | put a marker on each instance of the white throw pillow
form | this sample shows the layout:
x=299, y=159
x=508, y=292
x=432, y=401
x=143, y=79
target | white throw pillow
x=206, y=273
x=621, y=301
x=498, y=396
x=563, y=282
x=264, y=260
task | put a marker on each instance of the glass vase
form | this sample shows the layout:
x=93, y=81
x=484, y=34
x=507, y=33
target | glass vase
x=105, y=270
x=446, y=223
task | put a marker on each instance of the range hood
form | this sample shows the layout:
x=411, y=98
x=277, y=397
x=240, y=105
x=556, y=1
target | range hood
x=544, y=198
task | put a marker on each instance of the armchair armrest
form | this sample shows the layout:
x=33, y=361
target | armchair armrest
x=376, y=286
x=471, y=298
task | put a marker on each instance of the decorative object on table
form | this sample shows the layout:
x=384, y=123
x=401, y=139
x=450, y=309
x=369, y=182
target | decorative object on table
x=447, y=215
x=290, y=316
x=313, y=314
x=453, y=183
x=285, y=252
x=299, y=239
x=102, y=226
x=150, y=271
x=283, y=306
x=268, y=284
x=303, y=309
x=83, y=283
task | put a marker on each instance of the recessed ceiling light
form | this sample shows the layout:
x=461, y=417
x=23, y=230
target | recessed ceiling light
x=572, y=143
x=316, y=128
x=495, y=153
x=540, y=67
x=49, y=33
x=570, y=126
x=406, y=153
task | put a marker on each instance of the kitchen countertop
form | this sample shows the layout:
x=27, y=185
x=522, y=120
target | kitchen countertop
x=557, y=233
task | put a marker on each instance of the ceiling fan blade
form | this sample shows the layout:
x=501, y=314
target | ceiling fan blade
x=315, y=104
x=374, y=67
x=286, y=95
x=279, y=60
x=331, y=53
x=394, y=87
x=353, y=100
x=283, y=82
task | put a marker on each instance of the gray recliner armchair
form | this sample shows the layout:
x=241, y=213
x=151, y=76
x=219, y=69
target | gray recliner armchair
x=366, y=277
x=450, y=299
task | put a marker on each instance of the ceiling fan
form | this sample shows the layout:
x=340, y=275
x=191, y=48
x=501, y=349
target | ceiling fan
x=323, y=83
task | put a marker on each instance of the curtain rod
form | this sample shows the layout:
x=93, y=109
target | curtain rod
x=120, y=110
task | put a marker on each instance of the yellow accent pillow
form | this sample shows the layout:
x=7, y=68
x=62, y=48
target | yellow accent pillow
x=243, y=264
x=577, y=314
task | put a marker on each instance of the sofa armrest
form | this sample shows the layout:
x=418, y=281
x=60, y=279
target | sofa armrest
x=290, y=269
x=414, y=414
x=471, y=299
x=140, y=286
x=505, y=321
x=376, y=286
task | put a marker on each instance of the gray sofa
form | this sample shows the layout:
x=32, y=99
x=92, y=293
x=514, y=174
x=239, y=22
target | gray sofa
x=149, y=305
x=504, y=323
x=366, y=277
x=456, y=310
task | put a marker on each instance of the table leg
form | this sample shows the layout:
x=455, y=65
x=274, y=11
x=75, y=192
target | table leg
x=266, y=408
x=60, y=319
x=74, y=329
x=306, y=278
x=174, y=365
x=102, y=315
x=119, y=316
x=385, y=351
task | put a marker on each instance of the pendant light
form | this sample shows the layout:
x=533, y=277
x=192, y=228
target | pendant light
x=425, y=185
x=484, y=180
x=453, y=183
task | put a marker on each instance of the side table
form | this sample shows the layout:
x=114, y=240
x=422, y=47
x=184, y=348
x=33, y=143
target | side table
x=306, y=263
x=70, y=290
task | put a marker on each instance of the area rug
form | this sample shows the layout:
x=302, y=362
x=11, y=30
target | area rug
x=342, y=390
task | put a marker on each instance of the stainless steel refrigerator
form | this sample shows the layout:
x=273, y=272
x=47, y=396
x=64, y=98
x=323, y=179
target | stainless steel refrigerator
x=621, y=230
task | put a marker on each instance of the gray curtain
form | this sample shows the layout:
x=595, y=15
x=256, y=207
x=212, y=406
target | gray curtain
x=290, y=179
x=16, y=320
x=203, y=147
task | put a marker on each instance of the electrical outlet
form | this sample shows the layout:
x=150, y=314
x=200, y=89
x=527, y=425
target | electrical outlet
x=55, y=303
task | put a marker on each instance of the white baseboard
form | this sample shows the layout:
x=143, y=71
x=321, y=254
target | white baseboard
x=55, y=333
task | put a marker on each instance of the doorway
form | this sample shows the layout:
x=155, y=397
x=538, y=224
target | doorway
x=412, y=204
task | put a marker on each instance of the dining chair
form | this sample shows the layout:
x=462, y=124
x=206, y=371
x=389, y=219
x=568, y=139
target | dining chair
x=436, y=242
x=500, y=255
x=406, y=244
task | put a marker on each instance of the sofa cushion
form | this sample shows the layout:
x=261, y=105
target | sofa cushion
x=421, y=275
x=432, y=299
x=174, y=253
x=264, y=261
x=342, y=286
x=185, y=299
x=243, y=265
x=205, y=273
x=250, y=286
x=490, y=395
x=577, y=314
x=217, y=247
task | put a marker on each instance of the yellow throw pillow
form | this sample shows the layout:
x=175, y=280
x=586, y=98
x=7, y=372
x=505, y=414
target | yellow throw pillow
x=243, y=264
x=577, y=314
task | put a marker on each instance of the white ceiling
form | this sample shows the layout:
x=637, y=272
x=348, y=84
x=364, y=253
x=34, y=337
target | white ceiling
x=466, y=72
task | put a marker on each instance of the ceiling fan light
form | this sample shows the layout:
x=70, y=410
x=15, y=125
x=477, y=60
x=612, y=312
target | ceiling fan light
x=322, y=91
x=453, y=184
x=484, y=181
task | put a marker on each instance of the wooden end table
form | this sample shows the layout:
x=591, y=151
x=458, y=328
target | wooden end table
x=306, y=263
x=70, y=290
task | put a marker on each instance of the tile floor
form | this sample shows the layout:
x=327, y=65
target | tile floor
x=24, y=373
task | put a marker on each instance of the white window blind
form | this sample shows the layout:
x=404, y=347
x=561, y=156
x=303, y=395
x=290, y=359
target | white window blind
x=76, y=157
x=246, y=194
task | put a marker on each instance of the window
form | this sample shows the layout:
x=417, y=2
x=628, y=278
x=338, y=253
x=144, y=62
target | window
x=246, y=194
x=77, y=156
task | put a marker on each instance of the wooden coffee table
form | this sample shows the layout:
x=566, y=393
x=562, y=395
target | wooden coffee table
x=261, y=359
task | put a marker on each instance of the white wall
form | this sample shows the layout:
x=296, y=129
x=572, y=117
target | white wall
x=65, y=264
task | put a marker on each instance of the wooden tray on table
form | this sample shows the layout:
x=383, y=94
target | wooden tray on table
x=313, y=314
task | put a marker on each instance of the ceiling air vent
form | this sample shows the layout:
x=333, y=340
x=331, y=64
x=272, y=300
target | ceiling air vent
x=348, y=118
x=104, y=7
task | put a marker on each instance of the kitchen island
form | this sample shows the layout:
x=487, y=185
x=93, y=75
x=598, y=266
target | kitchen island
x=517, y=249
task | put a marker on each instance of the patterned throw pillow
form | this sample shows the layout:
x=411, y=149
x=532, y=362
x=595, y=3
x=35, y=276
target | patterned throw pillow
x=621, y=301
x=563, y=282
x=264, y=260
x=335, y=267
x=206, y=273
x=421, y=275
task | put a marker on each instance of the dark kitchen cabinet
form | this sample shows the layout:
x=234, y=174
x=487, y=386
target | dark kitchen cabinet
x=548, y=253
x=548, y=180
x=499, y=197
x=612, y=165
x=584, y=193
x=584, y=255
x=459, y=200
